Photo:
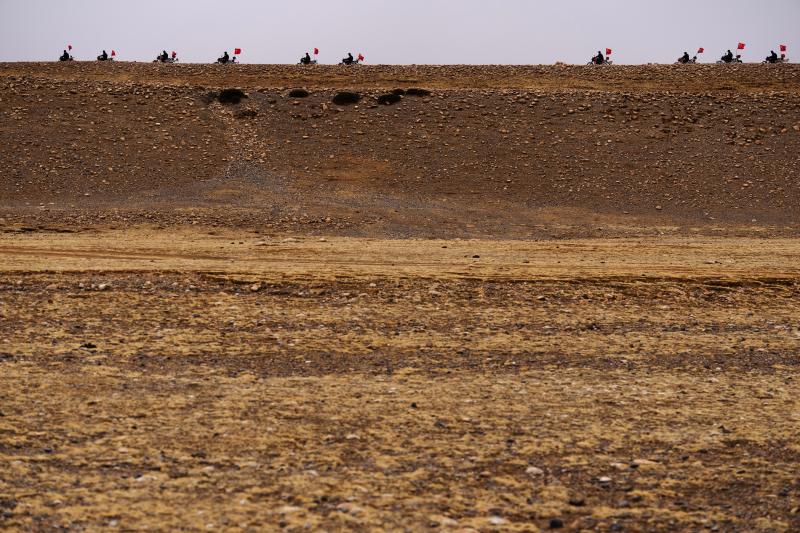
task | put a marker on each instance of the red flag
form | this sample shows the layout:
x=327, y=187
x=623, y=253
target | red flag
x=237, y=51
x=740, y=46
x=316, y=51
x=174, y=54
x=361, y=58
x=69, y=47
x=783, y=48
x=701, y=50
x=608, y=51
x=113, y=53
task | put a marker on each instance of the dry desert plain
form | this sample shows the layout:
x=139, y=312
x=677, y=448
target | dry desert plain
x=518, y=299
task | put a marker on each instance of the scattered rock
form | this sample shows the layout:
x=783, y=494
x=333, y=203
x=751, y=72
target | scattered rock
x=299, y=93
x=534, y=471
x=231, y=96
x=414, y=91
x=209, y=97
x=349, y=508
x=445, y=521
x=246, y=113
x=389, y=99
x=8, y=503
x=346, y=98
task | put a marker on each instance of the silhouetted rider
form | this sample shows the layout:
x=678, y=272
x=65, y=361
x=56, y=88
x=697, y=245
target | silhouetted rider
x=773, y=57
x=163, y=57
x=306, y=60
x=599, y=59
x=103, y=56
x=727, y=57
x=349, y=60
x=224, y=59
x=685, y=58
x=64, y=56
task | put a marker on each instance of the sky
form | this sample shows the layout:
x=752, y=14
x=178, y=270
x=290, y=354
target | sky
x=398, y=32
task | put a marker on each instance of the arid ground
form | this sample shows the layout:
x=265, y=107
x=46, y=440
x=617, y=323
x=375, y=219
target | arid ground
x=515, y=299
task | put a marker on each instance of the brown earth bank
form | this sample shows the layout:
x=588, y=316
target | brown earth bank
x=521, y=152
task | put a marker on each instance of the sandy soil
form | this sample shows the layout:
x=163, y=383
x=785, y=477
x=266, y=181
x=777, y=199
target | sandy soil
x=227, y=381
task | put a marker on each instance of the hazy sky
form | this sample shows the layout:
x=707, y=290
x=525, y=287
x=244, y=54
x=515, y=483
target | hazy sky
x=404, y=31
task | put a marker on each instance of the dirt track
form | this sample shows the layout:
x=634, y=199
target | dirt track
x=464, y=312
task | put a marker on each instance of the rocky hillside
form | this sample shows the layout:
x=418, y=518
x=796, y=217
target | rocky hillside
x=495, y=150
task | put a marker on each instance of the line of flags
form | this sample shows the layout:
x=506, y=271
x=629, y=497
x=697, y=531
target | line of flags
x=609, y=51
x=238, y=52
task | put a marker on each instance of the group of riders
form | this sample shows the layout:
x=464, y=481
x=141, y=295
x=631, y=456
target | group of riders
x=305, y=60
x=349, y=60
x=599, y=59
x=729, y=57
x=102, y=57
x=685, y=59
